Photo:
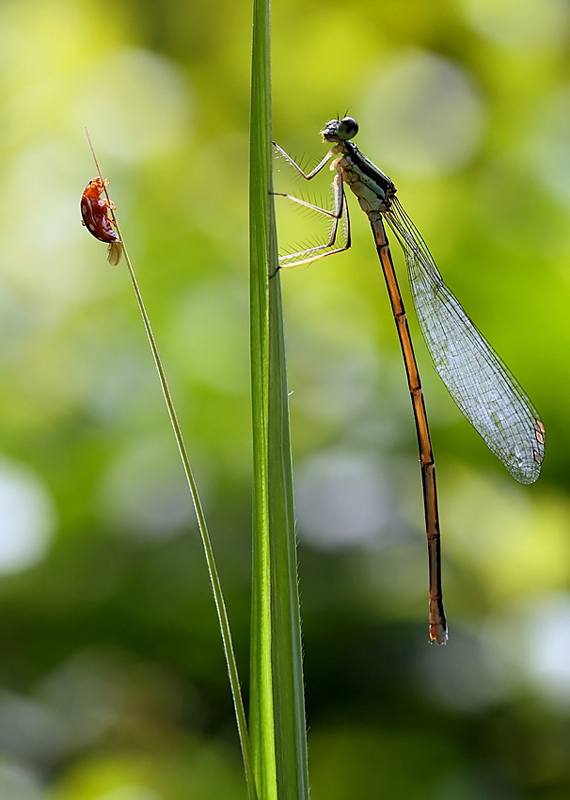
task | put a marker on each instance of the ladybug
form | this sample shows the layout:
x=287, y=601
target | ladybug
x=96, y=213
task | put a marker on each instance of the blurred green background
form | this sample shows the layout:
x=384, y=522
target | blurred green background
x=113, y=681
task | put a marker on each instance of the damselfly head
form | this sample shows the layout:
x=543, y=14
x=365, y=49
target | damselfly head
x=340, y=130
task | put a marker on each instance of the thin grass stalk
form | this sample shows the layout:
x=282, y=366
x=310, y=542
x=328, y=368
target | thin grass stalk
x=200, y=516
x=215, y=583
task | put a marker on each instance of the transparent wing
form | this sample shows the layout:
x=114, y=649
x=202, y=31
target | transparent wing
x=477, y=379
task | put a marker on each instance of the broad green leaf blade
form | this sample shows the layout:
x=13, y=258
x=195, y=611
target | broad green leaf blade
x=261, y=691
x=277, y=712
x=286, y=650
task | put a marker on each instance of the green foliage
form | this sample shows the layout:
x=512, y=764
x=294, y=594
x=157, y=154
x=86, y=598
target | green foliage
x=113, y=677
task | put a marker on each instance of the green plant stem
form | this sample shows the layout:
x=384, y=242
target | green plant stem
x=261, y=692
x=277, y=715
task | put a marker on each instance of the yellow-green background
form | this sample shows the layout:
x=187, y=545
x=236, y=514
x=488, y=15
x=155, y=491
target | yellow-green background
x=111, y=668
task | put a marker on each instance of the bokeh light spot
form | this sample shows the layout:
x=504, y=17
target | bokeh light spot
x=27, y=518
x=17, y=783
x=145, y=492
x=533, y=637
x=136, y=102
x=520, y=23
x=342, y=499
x=424, y=113
x=550, y=145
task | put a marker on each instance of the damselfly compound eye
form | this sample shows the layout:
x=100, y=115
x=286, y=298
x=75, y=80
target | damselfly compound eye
x=348, y=127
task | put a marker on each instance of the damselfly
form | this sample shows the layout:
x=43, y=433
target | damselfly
x=477, y=379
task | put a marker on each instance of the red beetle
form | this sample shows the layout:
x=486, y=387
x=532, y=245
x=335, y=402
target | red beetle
x=96, y=213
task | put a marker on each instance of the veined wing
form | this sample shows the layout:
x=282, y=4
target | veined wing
x=477, y=379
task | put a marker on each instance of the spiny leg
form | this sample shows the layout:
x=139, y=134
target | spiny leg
x=306, y=175
x=340, y=211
